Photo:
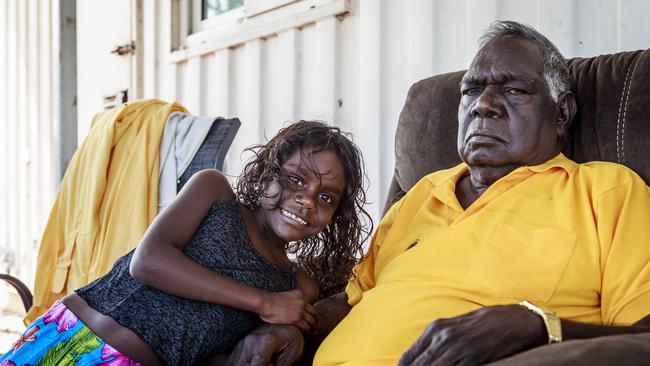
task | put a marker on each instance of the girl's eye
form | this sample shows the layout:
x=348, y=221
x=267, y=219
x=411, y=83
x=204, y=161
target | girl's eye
x=327, y=198
x=296, y=181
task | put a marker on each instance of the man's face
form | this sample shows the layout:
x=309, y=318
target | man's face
x=506, y=116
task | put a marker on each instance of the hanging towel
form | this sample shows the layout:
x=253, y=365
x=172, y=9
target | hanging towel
x=180, y=142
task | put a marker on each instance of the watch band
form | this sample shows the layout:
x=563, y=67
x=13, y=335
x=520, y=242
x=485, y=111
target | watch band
x=551, y=321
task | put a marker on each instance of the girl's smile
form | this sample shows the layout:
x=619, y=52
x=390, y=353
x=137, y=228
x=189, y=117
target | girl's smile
x=293, y=217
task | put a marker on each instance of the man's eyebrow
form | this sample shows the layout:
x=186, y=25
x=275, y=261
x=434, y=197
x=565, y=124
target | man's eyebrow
x=470, y=77
x=503, y=77
x=466, y=80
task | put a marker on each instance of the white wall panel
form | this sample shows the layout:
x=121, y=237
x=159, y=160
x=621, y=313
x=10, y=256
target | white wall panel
x=102, y=26
x=233, y=164
x=245, y=96
x=249, y=98
x=278, y=85
x=286, y=79
x=479, y=15
x=347, y=74
x=394, y=78
x=4, y=133
x=600, y=36
x=12, y=136
x=307, y=74
x=26, y=133
x=218, y=84
x=179, y=81
x=369, y=124
x=555, y=19
x=151, y=37
x=524, y=11
x=45, y=160
x=633, y=25
x=421, y=33
x=450, y=24
x=22, y=142
x=191, y=81
x=326, y=68
x=34, y=176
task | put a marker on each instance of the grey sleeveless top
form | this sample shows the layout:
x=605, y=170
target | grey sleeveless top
x=182, y=331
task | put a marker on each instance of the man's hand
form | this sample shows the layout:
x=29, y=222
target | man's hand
x=284, y=344
x=483, y=335
x=280, y=345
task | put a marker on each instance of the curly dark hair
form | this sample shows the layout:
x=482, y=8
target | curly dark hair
x=329, y=256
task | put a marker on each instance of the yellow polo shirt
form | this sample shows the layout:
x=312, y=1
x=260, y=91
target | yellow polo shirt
x=572, y=237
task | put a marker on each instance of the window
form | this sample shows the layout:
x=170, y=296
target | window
x=212, y=8
x=202, y=26
x=209, y=14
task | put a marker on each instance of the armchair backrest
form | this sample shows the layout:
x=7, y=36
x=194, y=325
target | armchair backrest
x=612, y=123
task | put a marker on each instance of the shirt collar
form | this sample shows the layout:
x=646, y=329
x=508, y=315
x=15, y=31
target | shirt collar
x=451, y=175
x=559, y=161
x=444, y=181
x=444, y=184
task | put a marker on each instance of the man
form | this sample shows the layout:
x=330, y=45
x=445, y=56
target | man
x=515, y=248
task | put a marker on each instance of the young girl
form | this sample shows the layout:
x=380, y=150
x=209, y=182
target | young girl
x=213, y=265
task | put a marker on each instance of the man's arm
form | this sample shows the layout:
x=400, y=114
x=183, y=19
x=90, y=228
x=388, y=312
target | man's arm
x=495, y=332
x=330, y=312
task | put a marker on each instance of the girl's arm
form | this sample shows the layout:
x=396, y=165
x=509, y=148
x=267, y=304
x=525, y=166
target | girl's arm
x=308, y=286
x=159, y=262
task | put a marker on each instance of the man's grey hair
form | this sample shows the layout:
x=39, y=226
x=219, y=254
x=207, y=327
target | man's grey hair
x=556, y=69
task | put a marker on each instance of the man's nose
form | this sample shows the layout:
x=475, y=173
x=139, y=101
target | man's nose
x=487, y=105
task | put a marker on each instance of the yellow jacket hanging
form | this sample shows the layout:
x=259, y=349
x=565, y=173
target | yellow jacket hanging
x=107, y=198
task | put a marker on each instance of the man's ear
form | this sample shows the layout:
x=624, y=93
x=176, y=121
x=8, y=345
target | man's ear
x=567, y=107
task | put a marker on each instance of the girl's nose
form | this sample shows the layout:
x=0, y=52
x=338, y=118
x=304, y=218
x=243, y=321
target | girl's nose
x=305, y=200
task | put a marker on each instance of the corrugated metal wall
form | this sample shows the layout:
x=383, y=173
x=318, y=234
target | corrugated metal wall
x=352, y=70
x=27, y=182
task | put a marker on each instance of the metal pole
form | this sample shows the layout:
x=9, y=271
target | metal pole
x=66, y=85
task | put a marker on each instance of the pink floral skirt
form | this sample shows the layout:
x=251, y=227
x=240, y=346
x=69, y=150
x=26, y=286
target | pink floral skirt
x=60, y=338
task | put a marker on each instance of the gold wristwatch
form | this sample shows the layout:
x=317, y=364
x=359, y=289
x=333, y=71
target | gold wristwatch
x=551, y=321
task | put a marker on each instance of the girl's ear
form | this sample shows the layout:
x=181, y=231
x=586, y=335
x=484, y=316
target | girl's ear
x=567, y=107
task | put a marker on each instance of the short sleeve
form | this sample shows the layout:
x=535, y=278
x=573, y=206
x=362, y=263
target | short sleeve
x=363, y=277
x=623, y=215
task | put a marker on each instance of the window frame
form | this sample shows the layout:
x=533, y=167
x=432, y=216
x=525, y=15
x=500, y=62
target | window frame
x=250, y=8
x=265, y=17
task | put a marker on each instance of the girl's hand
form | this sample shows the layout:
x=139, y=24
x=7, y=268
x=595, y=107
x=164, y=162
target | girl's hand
x=288, y=307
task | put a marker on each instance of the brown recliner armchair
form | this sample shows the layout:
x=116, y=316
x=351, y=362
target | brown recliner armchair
x=612, y=124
